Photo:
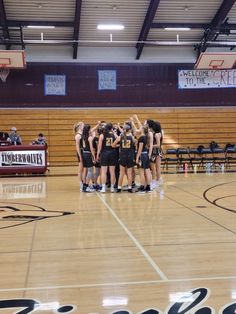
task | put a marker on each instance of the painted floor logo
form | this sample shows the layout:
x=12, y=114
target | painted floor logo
x=27, y=306
x=189, y=302
x=16, y=214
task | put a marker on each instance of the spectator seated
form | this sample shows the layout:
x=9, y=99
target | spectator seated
x=4, y=139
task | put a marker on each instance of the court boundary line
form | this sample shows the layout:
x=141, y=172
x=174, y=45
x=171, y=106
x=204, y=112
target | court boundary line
x=30, y=254
x=135, y=241
x=198, y=213
x=109, y=284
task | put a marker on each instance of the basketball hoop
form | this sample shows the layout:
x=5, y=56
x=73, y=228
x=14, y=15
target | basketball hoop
x=216, y=64
x=11, y=59
x=216, y=61
x=4, y=72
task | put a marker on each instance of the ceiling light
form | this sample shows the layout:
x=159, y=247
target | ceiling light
x=110, y=27
x=177, y=28
x=40, y=26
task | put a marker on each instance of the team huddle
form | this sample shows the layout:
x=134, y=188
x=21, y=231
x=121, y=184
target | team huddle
x=109, y=152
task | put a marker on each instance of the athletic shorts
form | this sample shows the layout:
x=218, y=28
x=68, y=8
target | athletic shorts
x=108, y=158
x=145, y=162
x=87, y=159
x=126, y=159
x=156, y=152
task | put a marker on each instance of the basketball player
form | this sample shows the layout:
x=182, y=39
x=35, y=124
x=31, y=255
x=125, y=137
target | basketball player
x=126, y=155
x=143, y=159
x=107, y=156
x=78, y=130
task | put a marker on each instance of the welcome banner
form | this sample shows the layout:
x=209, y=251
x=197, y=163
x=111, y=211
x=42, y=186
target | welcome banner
x=190, y=79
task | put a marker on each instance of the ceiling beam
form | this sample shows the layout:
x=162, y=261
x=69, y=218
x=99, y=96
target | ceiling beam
x=153, y=6
x=78, y=7
x=3, y=22
x=173, y=43
x=219, y=19
x=22, y=38
x=176, y=25
x=222, y=27
x=13, y=23
x=17, y=23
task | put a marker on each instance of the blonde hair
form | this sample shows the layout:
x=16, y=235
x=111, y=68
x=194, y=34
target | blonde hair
x=78, y=126
x=127, y=128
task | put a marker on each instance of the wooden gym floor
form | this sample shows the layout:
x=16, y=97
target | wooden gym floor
x=63, y=251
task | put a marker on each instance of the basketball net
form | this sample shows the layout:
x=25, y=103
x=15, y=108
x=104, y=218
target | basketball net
x=216, y=64
x=4, y=72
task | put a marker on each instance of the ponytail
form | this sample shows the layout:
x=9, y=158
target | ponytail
x=124, y=137
x=127, y=127
x=146, y=133
x=85, y=134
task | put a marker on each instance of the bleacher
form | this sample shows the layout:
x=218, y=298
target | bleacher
x=185, y=128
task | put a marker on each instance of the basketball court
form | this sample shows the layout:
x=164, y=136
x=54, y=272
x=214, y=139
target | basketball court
x=171, y=251
x=64, y=251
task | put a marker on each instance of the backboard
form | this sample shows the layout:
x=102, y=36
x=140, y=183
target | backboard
x=14, y=59
x=11, y=59
x=216, y=61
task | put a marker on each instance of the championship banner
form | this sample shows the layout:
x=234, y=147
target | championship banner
x=54, y=85
x=106, y=80
x=193, y=79
x=22, y=158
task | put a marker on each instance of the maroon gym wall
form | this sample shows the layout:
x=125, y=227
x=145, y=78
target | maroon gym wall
x=138, y=85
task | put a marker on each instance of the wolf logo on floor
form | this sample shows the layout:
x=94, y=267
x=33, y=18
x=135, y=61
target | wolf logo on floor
x=15, y=214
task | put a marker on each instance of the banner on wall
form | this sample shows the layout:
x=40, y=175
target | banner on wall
x=190, y=79
x=107, y=80
x=31, y=158
x=54, y=85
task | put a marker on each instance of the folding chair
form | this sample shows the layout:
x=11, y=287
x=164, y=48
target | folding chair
x=163, y=160
x=207, y=157
x=184, y=157
x=230, y=156
x=171, y=157
x=219, y=157
x=195, y=157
